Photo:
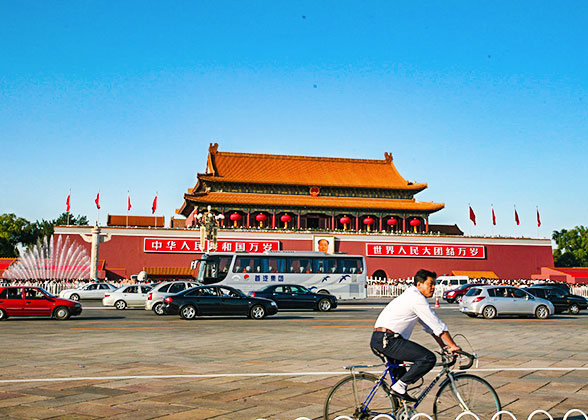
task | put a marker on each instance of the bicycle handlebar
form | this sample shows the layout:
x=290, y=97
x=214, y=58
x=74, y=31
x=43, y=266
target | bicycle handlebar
x=453, y=356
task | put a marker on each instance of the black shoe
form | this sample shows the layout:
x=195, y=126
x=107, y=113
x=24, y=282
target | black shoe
x=404, y=396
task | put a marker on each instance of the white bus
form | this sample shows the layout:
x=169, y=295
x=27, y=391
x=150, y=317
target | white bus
x=341, y=275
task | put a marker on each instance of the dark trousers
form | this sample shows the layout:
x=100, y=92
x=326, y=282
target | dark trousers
x=401, y=349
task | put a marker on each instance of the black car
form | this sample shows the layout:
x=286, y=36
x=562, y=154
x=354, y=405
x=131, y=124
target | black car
x=217, y=300
x=293, y=296
x=561, y=301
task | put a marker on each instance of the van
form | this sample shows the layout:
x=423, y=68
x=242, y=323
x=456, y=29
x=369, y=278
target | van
x=449, y=282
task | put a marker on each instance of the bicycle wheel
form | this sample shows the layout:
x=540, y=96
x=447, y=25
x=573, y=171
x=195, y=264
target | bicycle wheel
x=348, y=396
x=478, y=396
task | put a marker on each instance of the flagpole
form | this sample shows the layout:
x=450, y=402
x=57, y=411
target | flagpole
x=492, y=225
x=98, y=210
x=128, y=200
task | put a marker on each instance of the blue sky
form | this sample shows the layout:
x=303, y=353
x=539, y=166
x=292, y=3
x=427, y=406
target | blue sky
x=484, y=101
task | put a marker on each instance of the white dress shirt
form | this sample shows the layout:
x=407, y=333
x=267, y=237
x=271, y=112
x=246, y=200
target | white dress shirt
x=402, y=314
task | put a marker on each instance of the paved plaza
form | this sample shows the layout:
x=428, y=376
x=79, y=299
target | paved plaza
x=134, y=365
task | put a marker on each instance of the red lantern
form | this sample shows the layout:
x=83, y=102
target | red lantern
x=415, y=223
x=235, y=217
x=345, y=220
x=391, y=222
x=285, y=218
x=261, y=218
x=368, y=221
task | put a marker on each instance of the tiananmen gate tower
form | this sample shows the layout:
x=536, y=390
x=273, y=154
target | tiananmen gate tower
x=282, y=202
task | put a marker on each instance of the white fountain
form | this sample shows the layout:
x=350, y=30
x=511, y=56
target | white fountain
x=50, y=259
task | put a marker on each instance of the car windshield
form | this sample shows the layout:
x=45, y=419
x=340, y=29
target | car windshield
x=46, y=292
x=266, y=288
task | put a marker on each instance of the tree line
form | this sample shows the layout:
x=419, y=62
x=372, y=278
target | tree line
x=15, y=230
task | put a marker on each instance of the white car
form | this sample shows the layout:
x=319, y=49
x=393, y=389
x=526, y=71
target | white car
x=155, y=297
x=132, y=295
x=89, y=291
x=493, y=301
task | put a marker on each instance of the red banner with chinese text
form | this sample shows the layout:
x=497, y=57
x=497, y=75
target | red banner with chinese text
x=398, y=249
x=192, y=246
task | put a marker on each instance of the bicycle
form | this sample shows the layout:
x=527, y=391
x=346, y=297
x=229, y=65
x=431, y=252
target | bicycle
x=363, y=396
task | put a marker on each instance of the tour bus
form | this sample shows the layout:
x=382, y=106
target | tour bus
x=341, y=275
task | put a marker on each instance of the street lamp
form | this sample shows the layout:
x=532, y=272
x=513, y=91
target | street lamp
x=208, y=229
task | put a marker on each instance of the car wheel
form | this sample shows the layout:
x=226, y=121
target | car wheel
x=459, y=299
x=257, y=312
x=75, y=296
x=472, y=315
x=188, y=312
x=323, y=292
x=3, y=315
x=158, y=308
x=574, y=309
x=449, y=300
x=324, y=305
x=61, y=313
x=541, y=312
x=120, y=304
x=489, y=312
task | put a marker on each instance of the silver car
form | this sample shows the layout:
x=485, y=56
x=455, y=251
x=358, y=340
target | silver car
x=492, y=301
x=89, y=291
x=155, y=297
x=132, y=295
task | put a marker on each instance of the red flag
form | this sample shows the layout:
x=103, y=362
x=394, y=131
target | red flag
x=67, y=206
x=538, y=219
x=97, y=201
x=128, y=202
x=154, y=205
x=472, y=216
x=518, y=222
x=493, y=218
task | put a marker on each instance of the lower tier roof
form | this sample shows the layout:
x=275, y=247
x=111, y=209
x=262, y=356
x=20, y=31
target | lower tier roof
x=306, y=201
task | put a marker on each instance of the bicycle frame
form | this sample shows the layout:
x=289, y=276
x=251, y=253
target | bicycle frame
x=389, y=366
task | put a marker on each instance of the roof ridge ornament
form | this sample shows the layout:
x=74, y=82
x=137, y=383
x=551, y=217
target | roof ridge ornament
x=388, y=157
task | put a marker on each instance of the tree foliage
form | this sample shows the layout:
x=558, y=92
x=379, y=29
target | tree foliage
x=572, y=247
x=14, y=230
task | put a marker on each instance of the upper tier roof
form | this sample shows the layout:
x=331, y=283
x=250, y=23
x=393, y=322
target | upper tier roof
x=305, y=170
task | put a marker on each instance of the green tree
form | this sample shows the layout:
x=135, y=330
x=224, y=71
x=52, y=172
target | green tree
x=572, y=247
x=47, y=227
x=12, y=231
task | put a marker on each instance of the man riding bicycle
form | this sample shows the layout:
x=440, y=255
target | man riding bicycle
x=394, y=326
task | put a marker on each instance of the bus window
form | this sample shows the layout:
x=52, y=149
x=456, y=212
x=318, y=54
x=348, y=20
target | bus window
x=275, y=265
x=248, y=265
x=352, y=266
x=300, y=265
x=320, y=265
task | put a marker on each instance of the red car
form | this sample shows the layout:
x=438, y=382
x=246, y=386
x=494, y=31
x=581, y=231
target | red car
x=34, y=301
x=455, y=295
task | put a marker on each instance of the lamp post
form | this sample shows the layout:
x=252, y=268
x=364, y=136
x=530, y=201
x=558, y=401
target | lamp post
x=209, y=229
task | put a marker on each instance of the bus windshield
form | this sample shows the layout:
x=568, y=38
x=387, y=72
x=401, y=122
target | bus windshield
x=214, y=268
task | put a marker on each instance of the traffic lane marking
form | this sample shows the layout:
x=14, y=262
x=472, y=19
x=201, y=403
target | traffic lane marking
x=256, y=374
x=133, y=328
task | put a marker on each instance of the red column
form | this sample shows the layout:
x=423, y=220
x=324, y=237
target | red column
x=427, y=225
x=357, y=222
x=333, y=222
x=380, y=223
x=298, y=221
x=248, y=219
x=222, y=221
x=404, y=224
x=274, y=220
